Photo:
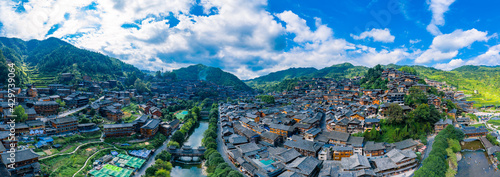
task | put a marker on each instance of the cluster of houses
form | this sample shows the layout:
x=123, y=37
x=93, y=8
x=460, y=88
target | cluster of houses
x=194, y=89
x=145, y=125
x=289, y=141
x=308, y=131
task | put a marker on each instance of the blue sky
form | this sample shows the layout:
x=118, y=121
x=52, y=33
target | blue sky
x=253, y=38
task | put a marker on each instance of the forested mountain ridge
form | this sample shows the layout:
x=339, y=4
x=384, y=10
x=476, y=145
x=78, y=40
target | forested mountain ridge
x=484, y=79
x=210, y=74
x=44, y=60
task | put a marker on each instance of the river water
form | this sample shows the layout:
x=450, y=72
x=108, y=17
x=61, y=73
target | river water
x=182, y=170
x=475, y=162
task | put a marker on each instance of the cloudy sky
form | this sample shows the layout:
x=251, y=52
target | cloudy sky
x=253, y=38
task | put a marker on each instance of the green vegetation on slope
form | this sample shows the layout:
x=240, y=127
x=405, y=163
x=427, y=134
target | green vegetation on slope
x=486, y=80
x=211, y=74
x=286, y=79
x=284, y=74
x=45, y=60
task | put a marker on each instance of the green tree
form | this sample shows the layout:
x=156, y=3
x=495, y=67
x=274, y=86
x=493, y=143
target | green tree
x=415, y=97
x=162, y=173
x=20, y=114
x=164, y=155
x=408, y=69
x=178, y=136
x=269, y=99
x=394, y=114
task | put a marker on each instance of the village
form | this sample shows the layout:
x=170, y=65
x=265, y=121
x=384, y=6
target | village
x=322, y=127
x=110, y=132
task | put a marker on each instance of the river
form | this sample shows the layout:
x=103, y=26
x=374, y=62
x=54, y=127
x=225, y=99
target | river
x=182, y=170
x=475, y=162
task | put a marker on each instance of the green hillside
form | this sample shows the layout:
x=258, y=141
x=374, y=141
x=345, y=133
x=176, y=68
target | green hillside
x=211, y=74
x=344, y=70
x=284, y=74
x=279, y=81
x=43, y=61
x=484, y=79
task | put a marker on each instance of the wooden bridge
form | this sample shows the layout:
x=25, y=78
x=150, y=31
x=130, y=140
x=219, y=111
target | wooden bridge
x=186, y=151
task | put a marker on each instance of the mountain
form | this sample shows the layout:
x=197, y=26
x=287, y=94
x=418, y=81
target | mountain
x=484, y=79
x=344, y=70
x=279, y=80
x=284, y=74
x=4, y=70
x=210, y=74
x=44, y=60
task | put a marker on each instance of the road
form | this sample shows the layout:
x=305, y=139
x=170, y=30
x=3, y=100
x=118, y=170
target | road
x=76, y=149
x=151, y=159
x=221, y=147
x=85, y=164
x=64, y=114
x=430, y=141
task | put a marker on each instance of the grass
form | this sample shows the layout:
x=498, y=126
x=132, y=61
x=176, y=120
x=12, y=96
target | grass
x=67, y=165
x=494, y=122
x=477, y=125
x=128, y=116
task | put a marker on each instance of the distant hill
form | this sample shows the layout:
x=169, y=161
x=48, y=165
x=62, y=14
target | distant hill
x=45, y=60
x=344, y=70
x=4, y=70
x=484, y=79
x=273, y=81
x=285, y=74
x=211, y=74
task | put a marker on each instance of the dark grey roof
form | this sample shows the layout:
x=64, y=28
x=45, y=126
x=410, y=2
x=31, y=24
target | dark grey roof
x=355, y=141
x=313, y=131
x=493, y=150
x=237, y=139
x=2, y=148
x=248, y=148
x=64, y=120
x=444, y=122
x=152, y=124
x=334, y=135
x=20, y=155
x=269, y=135
x=118, y=125
x=304, y=145
x=34, y=123
x=356, y=161
x=405, y=144
x=4, y=134
x=285, y=155
x=44, y=103
x=304, y=165
x=281, y=127
x=372, y=146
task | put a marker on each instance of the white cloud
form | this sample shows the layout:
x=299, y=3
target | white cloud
x=415, y=41
x=237, y=35
x=455, y=63
x=438, y=8
x=298, y=26
x=490, y=57
x=380, y=35
x=446, y=46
